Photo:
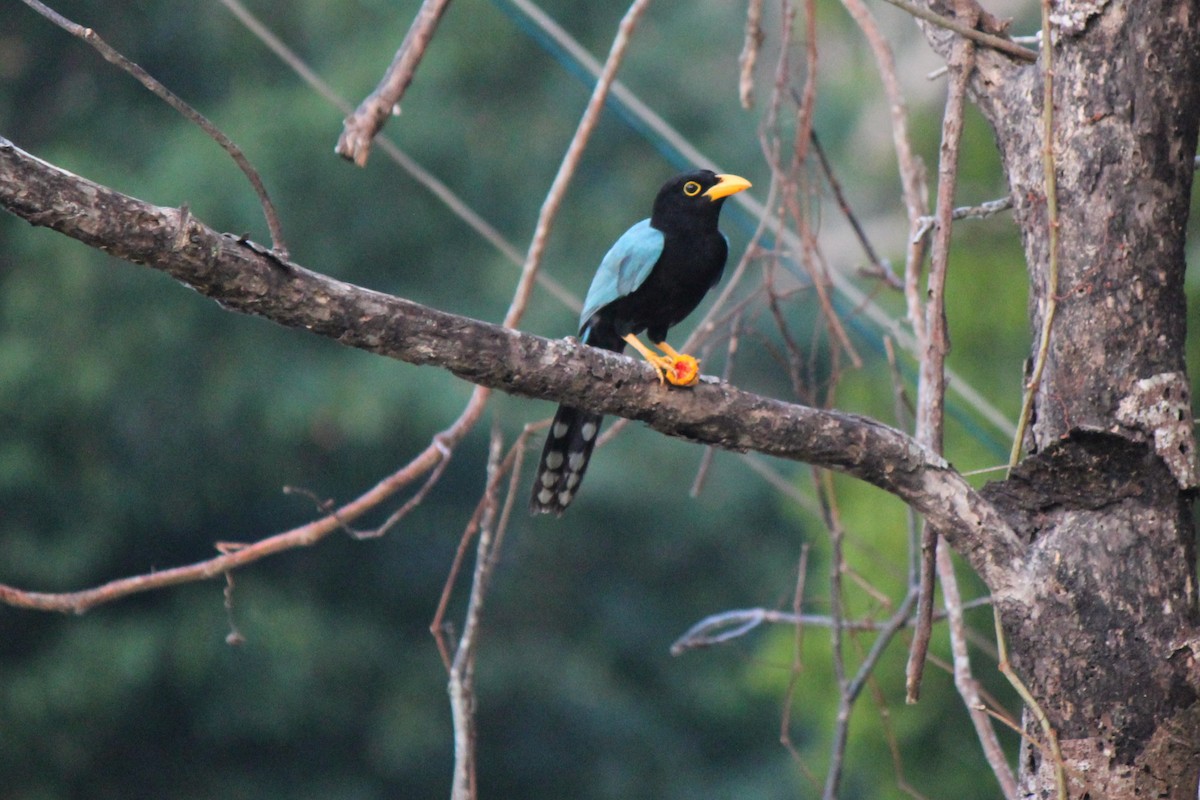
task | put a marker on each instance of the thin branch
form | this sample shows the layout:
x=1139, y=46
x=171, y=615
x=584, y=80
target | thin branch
x=749, y=56
x=360, y=128
x=797, y=667
x=824, y=485
x=461, y=685
x=981, y=211
x=931, y=384
x=511, y=464
x=964, y=680
x=1051, y=291
x=174, y=101
x=726, y=626
x=406, y=162
x=1006, y=46
x=839, y=197
x=912, y=170
x=566, y=170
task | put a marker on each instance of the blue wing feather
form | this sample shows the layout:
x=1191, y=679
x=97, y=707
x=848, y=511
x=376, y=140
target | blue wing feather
x=625, y=267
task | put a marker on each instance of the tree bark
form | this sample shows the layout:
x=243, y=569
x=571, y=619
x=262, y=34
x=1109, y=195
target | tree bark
x=1104, y=501
x=247, y=278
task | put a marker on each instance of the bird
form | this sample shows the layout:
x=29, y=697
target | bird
x=655, y=274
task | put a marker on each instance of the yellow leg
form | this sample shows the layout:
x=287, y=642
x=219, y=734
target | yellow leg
x=678, y=368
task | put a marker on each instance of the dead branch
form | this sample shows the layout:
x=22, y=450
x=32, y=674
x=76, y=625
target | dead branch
x=931, y=385
x=114, y=57
x=360, y=128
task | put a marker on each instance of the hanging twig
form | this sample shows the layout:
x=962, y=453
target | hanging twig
x=360, y=128
x=418, y=173
x=839, y=196
x=749, y=56
x=192, y=115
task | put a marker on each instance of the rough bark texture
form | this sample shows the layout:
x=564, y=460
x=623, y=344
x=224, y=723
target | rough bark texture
x=244, y=277
x=1105, y=501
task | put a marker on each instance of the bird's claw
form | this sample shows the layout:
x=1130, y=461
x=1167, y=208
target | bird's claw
x=681, y=370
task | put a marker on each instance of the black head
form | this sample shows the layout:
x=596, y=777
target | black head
x=694, y=199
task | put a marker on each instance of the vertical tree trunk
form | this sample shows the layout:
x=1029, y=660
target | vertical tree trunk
x=1104, y=636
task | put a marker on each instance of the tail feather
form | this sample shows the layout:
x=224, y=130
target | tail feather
x=565, y=457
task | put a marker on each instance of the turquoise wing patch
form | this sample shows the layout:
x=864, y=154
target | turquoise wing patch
x=625, y=267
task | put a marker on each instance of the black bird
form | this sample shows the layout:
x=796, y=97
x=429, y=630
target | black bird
x=654, y=276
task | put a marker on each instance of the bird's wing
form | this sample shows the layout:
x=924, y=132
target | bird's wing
x=624, y=268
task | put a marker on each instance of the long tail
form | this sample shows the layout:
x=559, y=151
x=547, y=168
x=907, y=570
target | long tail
x=565, y=458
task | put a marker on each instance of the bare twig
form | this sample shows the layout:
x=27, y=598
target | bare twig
x=1006, y=46
x=583, y=132
x=303, y=536
x=833, y=776
x=406, y=162
x=462, y=669
x=964, y=680
x=174, y=101
x=749, y=56
x=511, y=464
x=912, y=170
x=797, y=666
x=931, y=385
x=360, y=128
x=981, y=211
x=839, y=196
x=434, y=475
x=1050, y=303
x=727, y=626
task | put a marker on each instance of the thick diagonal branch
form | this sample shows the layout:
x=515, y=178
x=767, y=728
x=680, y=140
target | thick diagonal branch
x=247, y=278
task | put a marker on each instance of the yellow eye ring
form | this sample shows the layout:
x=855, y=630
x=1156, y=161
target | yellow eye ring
x=691, y=188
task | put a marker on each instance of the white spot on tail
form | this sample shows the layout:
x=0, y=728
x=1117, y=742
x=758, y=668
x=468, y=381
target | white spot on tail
x=559, y=430
x=549, y=478
x=588, y=431
x=544, y=496
x=564, y=498
x=575, y=462
x=554, y=460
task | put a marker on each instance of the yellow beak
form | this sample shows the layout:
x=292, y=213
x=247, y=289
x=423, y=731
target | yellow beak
x=727, y=185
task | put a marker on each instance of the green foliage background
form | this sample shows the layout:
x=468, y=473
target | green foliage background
x=140, y=423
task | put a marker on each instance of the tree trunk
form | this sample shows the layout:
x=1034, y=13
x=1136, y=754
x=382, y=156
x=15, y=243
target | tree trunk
x=1103, y=636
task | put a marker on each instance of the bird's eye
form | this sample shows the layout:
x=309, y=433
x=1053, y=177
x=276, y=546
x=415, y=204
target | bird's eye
x=691, y=188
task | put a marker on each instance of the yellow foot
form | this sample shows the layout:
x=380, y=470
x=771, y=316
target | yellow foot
x=678, y=369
